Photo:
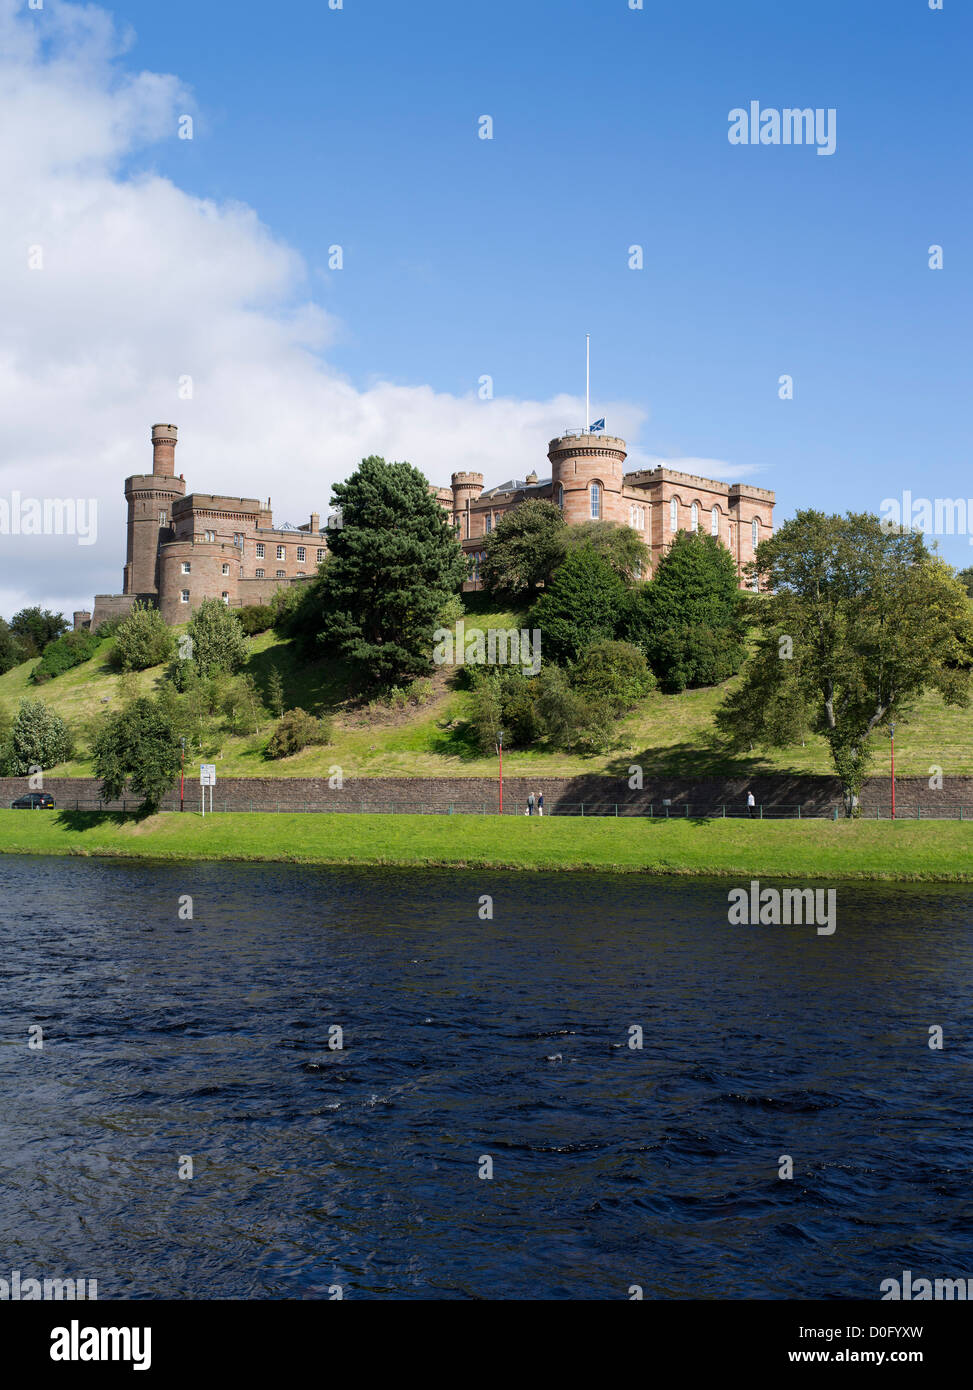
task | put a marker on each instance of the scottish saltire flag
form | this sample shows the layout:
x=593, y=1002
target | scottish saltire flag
x=598, y=425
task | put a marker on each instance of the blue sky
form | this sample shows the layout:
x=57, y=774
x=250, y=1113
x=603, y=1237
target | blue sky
x=466, y=257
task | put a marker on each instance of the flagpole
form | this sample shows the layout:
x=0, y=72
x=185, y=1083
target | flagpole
x=587, y=381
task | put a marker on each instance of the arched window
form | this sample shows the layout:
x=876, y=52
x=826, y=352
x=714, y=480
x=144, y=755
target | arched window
x=694, y=517
x=489, y=522
x=559, y=496
x=673, y=515
x=715, y=521
x=756, y=532
x=595, y=501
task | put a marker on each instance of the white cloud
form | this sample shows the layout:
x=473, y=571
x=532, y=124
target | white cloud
x=143, y=284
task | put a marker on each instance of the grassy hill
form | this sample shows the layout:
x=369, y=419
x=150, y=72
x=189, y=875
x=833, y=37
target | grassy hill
x=668, y=734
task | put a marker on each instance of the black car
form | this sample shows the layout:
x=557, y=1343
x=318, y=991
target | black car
x=33, y=801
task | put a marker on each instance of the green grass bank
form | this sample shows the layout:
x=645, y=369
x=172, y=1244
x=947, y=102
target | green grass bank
x=936, y=851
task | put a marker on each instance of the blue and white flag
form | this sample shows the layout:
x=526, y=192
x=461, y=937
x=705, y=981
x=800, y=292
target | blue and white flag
x=598, y=425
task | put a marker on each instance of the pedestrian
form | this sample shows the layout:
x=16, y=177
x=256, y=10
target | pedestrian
x=540, y=803
x=751, y=804
x=530, y=804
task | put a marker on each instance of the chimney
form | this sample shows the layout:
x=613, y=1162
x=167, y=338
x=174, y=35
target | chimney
x=315, y=521
x=164, y=451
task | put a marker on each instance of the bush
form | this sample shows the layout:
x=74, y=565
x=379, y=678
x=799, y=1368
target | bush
x=614, y=671
x=64, y=653
x=140, y=744
x=38, y=738
x=569, y=718
x=35, y=628
x=12, y=649
x=583, y=603
x=256, y=617
x=297, y=730
x=142, y=640
x=110, y=626
x=216, y=639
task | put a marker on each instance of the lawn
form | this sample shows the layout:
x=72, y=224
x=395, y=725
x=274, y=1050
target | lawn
x=809, y=850
x=669, y=735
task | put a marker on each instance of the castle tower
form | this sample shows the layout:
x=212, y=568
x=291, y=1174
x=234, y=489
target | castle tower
x=150, y=497
x=587, y=477
x=466, y=489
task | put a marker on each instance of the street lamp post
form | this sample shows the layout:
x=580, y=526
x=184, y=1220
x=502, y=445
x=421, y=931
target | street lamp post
x=500, y=756
x=892, y=738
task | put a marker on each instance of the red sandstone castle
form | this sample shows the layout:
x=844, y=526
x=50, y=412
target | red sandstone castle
x=184, y=548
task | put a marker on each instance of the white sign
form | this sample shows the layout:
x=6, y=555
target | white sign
x=207, y=774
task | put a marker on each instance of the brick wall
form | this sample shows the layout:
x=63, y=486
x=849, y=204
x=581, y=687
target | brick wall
x=814, y=794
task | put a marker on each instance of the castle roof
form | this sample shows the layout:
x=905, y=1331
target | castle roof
x=516, y=485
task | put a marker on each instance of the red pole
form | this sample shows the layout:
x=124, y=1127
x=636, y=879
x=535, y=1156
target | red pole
x=182, y=776
x=500, y=753
x=893, y=771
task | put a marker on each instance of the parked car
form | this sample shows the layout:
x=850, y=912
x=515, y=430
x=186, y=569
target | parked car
x=33, y=801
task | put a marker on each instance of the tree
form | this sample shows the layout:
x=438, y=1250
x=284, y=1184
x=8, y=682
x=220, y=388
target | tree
x=965, y=577
x=69, y=650
x=38, y=738
x=688, y=619
x=582, y=603
x=12, y=649
x=144, y=639
x=275, y=692
x=620, y=545
x=568, y=718
x=860, y=621
x=525, y=549
x=393, y=563
x=218, y=641
x=613, y=671
x=295, y=731
x=140, y=745
x=36, y=627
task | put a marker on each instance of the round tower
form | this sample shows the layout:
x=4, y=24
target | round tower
x=587, y=476
x=150, y=497
x=466, y=489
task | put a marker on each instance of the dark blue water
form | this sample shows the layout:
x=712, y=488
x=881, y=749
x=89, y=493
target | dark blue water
x=359, y=1167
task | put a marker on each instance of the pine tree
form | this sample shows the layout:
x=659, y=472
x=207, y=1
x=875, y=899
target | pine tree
x=582, y=604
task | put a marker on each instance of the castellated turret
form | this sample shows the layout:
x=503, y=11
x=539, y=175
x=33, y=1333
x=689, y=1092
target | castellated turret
x=587, y=477
x=150, y=497
x=466, y=489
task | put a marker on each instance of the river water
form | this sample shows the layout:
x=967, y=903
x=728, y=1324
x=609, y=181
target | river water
x=465, y=1040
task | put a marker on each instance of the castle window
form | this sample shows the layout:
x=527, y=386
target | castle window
x=638, y=569
x=673, y=515
x=162, y=518
x=595, y=501
x=226, y=569
x=301, y=554
x=280, y=574
x=186, y=567
x=755, y=529
x=715, y=521
x=694, y=517
x=260, y=574
x=280, y=552
x=489, y=522
x=184, y=596
x=320, y=556
x=260, y=551
x=225, y=597
x=559, y=496
x=300, y=574
x=756, y=583
x=238, y=539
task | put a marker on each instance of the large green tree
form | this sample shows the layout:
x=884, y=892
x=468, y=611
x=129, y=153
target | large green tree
x=38, y=738
x=217, y=641
x=688, y=619
x=859, y=621
x=144, y=639
x=393, y=563
x=36, y=627
x=582, y=603
x=525, y=549
x=137, y=745
x=620, y=545
x=12, y=649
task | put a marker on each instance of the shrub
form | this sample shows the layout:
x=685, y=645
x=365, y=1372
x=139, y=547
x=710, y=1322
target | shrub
x=615, y=671
x=583, y=603
x=38, y=738
x=256, y=617
x=297, y=730
x=35, y=628
x=142, y=640
x=64, y=653
x=138, y=744
x=12, y=649
x=217, y=641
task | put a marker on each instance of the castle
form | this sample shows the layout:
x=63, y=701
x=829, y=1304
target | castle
x=182, y=548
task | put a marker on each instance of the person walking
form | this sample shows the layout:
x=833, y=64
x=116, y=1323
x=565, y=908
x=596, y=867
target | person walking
x=751, y=804
x=530, y=804
x=540, y=803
